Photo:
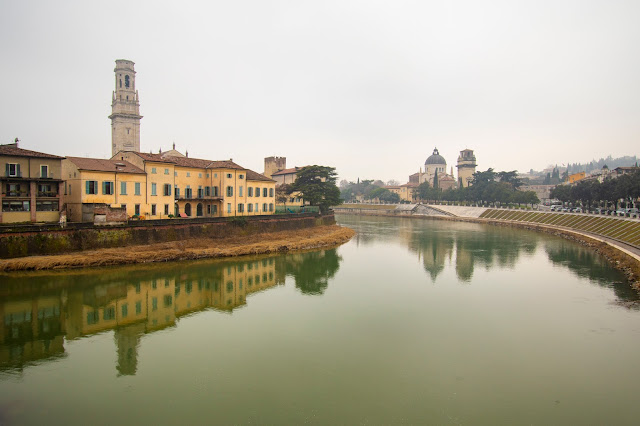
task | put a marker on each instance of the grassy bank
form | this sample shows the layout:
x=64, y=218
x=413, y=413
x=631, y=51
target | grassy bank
x=197, y=248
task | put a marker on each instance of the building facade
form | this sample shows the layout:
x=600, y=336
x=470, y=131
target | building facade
x=31, y=185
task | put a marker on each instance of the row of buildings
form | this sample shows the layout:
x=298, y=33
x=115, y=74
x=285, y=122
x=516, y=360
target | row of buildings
x=41, y=187
x=37, y=187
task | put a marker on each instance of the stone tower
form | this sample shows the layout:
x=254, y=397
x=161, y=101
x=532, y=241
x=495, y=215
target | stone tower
x=274, y=164
x=466, y=167
x=125, y=110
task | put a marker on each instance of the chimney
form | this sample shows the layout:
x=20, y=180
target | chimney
x=16, y=141
x=186, y=154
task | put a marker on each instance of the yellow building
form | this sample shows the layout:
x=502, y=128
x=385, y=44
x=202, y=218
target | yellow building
x=92, y=182
x=577, y=177
x=405, y=192
x=30, y=187
x=158, y=187
x=204, y=188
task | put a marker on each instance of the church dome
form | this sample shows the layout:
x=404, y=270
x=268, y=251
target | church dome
x=436, y=158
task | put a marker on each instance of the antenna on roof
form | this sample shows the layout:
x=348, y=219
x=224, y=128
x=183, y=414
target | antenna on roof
x=186, y=153
x=174, y=145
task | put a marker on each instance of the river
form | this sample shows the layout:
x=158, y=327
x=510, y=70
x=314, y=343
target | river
x=411, y=322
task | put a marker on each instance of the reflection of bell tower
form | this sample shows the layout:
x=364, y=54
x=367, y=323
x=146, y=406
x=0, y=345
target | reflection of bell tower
x=125, y=110
x=128, y=338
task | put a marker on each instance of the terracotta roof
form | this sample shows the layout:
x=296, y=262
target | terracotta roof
x=411, y=184
x=153, y=157
x=286, y=171
x=226, y=164
x=13, y=150
x=392, y=186
x=100, y=165
x=251, y=175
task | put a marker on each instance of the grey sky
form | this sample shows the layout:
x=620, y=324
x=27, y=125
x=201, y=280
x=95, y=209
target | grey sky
x=369, y=87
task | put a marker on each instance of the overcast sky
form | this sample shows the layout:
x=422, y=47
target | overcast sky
x=368, y=87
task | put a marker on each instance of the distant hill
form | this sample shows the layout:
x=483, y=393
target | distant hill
x=611, y=163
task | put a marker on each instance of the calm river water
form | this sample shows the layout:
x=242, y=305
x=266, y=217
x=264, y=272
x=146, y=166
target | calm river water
x=411, y=322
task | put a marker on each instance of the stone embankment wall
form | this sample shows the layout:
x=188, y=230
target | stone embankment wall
x=34, y=240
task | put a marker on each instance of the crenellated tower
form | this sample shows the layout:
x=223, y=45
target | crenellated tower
x=125, y=109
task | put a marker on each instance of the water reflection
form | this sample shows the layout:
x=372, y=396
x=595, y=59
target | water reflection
x=38, y=313
x=586, y=263
x=468, y=245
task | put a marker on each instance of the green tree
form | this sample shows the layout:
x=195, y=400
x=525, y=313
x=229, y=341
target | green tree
x=318, y=186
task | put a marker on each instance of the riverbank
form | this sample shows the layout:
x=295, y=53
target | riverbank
x=191, y=249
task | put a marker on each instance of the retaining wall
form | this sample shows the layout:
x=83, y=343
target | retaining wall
x=42, y=240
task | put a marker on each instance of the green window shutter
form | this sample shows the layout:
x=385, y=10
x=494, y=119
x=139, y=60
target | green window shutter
x=7, y=169
x=87, y=190
x=104, y=188
x=18, y=170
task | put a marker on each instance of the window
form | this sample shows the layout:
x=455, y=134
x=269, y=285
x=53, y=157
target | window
x=229, y=191
x=109, y=313
x=166, y=171
x=228, y=207
x=264, y=192
x=168, y=300
x=44, y=190
x=199, y=175
x=208, y=208
x=270, y=192
x=125, y=310
x=249, y=207
x=137, y=209
x=200, y=192
x=126, y=81
x=177, y=192
x=153, y=170
x=270, y=207
x=240, y=176
x=138, y=308
x=240, y=191
x=92, y=187
x=46, y=206
x=257, y=208
x=166, y=209
x=249, y=192
x=44, y=171
x=240, y=208
x=214, y=191
x=123, y=188
x=207, y=174
x=229, y=175
x=215, y=175
x=153, y=209
x=187, y=192
x=137, y=188
x=13, y=170
x=167, y=189
x=154, y=189
x=107, y=188
x=175, y=173
x=154, y=304
x=188, y=174
x=264, y=207
x=214, y=210
x=93, y=317
x=257, y=191
x=15, y=206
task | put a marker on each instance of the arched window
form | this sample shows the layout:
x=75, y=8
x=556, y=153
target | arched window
x=126, y=81
x=199, y=209
x=187, y=209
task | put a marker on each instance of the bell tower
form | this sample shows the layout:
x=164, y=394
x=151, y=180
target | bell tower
x=125, y=110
